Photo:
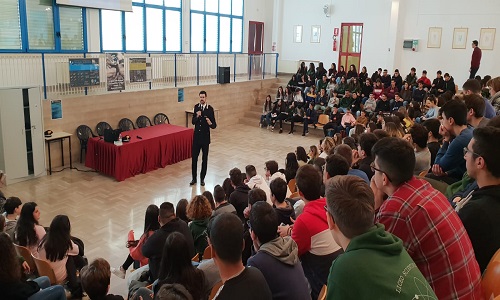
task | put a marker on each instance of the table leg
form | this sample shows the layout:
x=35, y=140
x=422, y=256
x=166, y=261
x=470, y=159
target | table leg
x=62, y=152
x=50, y=159
x=70, y=158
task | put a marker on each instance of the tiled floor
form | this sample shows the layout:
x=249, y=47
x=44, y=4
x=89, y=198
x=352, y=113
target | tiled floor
x=102, y=210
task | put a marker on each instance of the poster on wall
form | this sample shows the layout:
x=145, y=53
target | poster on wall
x=84, y=72
x=180, y=95
x=487, y=38
x=140, y=69
x=56, y=108
x=460, y=38
x=434, y=37
x=115, y=71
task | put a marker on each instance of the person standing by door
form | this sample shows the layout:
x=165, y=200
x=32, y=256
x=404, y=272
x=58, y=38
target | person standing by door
x=475, y=60
x=203, y=120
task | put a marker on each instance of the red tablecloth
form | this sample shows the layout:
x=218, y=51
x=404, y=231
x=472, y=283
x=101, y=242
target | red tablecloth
x=161, y=145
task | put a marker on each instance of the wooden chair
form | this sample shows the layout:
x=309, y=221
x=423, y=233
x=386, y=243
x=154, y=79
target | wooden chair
x=196, y=258
x=26, y=254
x=491, y=278
x=322, y=293
x=215, y=289
x=207, y=254
x=322, y=120
x=292, y=185
x=294, y=195
x=44, y=269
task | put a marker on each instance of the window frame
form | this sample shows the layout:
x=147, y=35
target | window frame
x=144, y=19
x=219, y=16
x=23, y=22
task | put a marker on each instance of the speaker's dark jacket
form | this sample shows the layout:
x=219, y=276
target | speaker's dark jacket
x=201, y=127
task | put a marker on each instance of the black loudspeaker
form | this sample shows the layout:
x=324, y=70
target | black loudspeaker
x=223, y=75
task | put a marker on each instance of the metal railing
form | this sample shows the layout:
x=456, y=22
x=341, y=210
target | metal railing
x=51, y=71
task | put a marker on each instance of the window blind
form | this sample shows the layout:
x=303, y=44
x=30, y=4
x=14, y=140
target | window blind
x=71, y=21
x=40, y=25
x=10, y=33
x=123, y=5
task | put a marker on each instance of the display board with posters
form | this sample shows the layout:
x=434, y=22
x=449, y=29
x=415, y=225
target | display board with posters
x=140, y=69
x=115, y=71
x=83, y=72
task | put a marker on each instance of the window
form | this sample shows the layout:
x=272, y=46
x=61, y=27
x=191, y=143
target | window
x=216, y=25
x=144, y=29
x=41, y=26
x=10, y=22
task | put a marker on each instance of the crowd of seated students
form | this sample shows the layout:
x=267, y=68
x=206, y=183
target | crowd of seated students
x=400, y=196
x=54, y=245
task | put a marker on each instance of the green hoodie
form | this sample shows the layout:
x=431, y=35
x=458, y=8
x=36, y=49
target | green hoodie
x=198, y=229
x=376, y=266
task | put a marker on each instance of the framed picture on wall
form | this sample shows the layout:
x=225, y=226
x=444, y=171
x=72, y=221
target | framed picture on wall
x=460, y=38
x=487, y=38
x=297, y=34
x=434, y=38
x=315, y=33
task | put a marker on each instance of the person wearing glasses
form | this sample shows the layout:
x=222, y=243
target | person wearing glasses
x=479, y=210
x=369, y=247
x=422, y=217
x=449, y=165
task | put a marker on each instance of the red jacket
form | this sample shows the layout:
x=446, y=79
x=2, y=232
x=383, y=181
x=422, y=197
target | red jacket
x=476, y=58
x=426, y=81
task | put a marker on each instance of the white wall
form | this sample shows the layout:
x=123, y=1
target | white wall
x=375, y=16
x=419, y=15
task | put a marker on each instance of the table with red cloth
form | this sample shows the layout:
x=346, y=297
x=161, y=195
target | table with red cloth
x=161, y=145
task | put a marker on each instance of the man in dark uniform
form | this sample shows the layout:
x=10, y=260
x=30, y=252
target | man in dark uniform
x=203, y=120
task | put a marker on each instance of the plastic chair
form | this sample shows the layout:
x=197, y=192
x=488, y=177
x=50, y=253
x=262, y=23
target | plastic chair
x=322, y=120
x=101, y=126
x=215, y=289
x=423, y=173
x=322, y=293
x=196, y=258
x=26, y=254
x=207, y=254
x=143, y=121
x=292, y=185
x=161, y=118
x=491, y=278
x=44, y=269
x=294, y=195
x=83, y=133
x=126, y=124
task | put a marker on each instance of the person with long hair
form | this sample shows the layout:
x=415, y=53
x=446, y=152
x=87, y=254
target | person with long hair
x=301, y=156
x=392, y=130
x=363, y=75
x=332, y=71
x=291, y=166
x=12, y=286
x=28, y=232
x=151, y=224
x=56, y=247
x=181, y=209
x=266, y=111
x=313, y=154
x=199, y=211
x=352, y=73
x=176, y=267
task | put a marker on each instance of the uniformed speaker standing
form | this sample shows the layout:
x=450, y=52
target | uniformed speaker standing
x=203, y=120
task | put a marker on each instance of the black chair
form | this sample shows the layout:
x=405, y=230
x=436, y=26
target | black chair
x=83, y=133
x=161, y=118
x=126, y=124
x=101, y=126
x=143, y=121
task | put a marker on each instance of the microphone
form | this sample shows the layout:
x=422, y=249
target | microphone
x=139, y=137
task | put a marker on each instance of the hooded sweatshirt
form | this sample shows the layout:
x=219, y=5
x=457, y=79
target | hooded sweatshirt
x=10, y=227
x=198, y=229
x=278, y=260
x=239, y=199
x=260, y=182
x=376, y=266
x=284, y=214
